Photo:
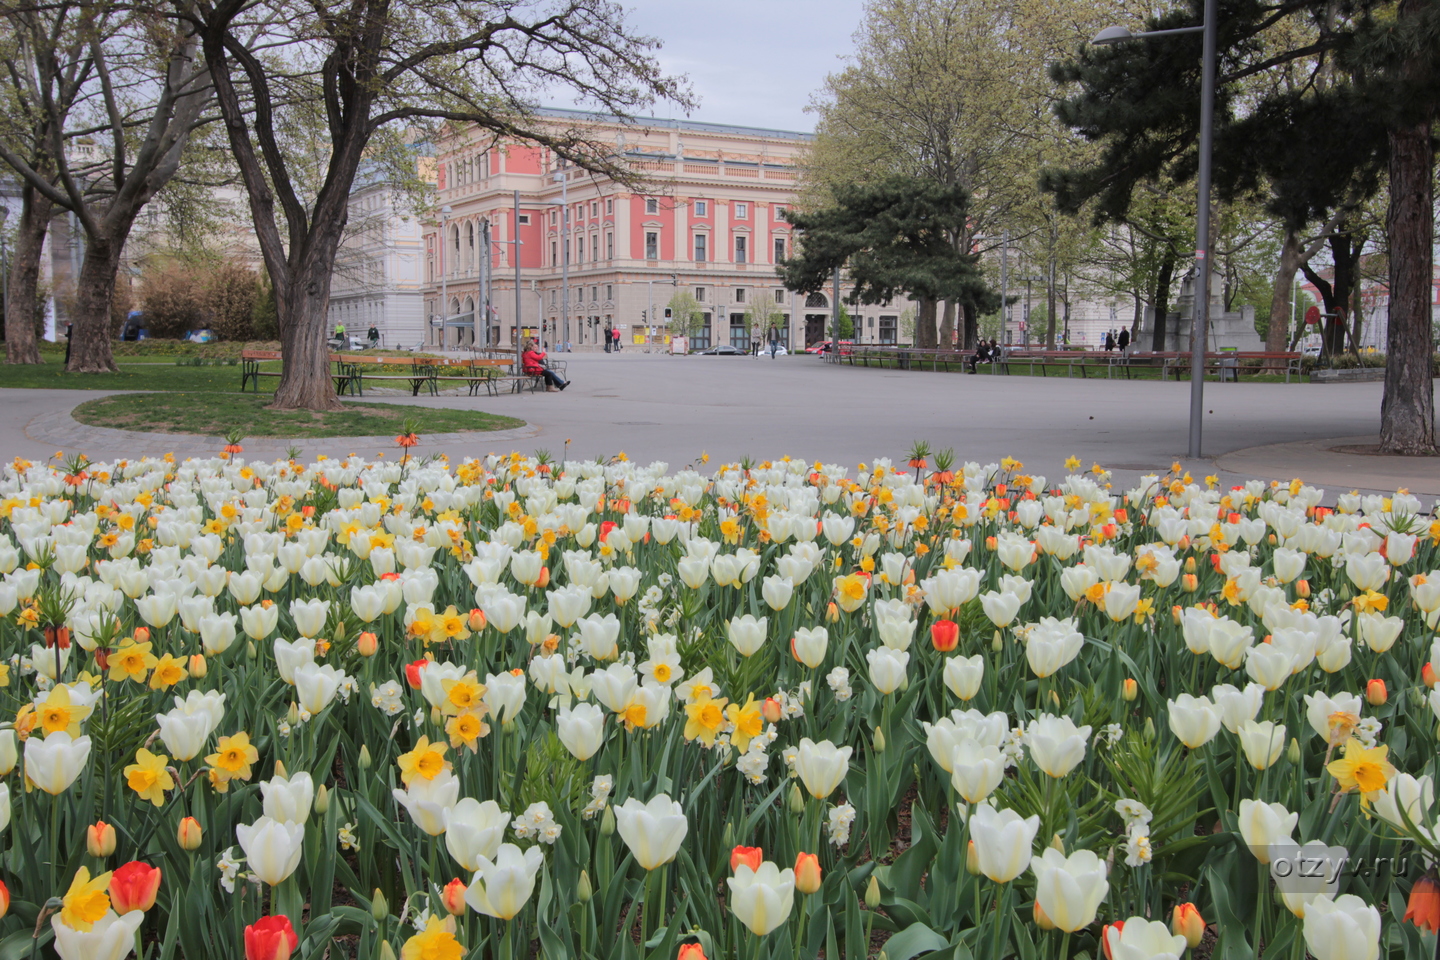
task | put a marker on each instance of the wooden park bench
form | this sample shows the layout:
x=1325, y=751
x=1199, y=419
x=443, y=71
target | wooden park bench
x=419, y=372
x=250, y=371
x=476, y=372
x=1223, y=362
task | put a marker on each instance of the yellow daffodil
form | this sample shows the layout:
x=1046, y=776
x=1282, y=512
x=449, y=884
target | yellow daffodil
x=466, y=729
x=148, y=777
x=426, y=761
x=132, y=661
x=169, y=670
x=233, y=757
x=748, y=722
x=1363, y=770
x=461, y=695
x=1371, y=601
x=704, y=719
x=86, y=901
x=58, y=713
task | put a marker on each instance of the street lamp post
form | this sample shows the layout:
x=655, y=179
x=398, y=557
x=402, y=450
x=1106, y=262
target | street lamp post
x=444, y=242
x=564, y=180
x=1200, y=334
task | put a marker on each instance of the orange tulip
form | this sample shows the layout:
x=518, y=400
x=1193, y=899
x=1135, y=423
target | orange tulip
x=1375, y=693
x=1130, y=690
x=100, y=839
x=1117, y=926
x=543, y=581
x=198, y=665
x=807, y=873
x=1302, y=588
x=770, y=710
x=367, y=644
x=750, y=856
x=453, y=896
x=133, y=887
x=189, y=834
x=1427, y=675
x=1424, y=907
x=945, y=635
x=1185, y=921
x=4, y=899
x=477, y=619
x=691, y=951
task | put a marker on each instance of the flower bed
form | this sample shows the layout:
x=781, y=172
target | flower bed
x=507, y=708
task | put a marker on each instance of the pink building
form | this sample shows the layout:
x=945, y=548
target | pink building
x=707, y=222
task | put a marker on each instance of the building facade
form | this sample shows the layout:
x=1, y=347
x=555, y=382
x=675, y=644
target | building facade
x=708, y=222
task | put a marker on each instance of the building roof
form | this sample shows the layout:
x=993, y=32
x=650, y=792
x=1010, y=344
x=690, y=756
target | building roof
x=674, y=124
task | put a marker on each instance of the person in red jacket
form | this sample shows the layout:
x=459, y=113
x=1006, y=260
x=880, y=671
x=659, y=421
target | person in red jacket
x=532, y=361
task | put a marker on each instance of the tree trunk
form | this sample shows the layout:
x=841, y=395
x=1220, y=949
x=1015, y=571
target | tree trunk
x=1138, y=319
x=1162, y=299
x=20, y=341
x=971, y=314
x=947, y=325
x=90, y=336
x=1407, y=412
x=925, y=323
x=1050, y=297
x=1277, y=336
x=305, y=382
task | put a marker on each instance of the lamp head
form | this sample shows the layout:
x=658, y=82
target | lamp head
x=1111, y=35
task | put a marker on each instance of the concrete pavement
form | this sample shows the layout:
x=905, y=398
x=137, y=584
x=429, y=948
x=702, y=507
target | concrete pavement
x=675, y=408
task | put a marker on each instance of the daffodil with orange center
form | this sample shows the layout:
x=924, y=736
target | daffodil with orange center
x=132, y=661
x=435, y=942
x=461, y=695
x=427, y=761
x=466, y=729
x=149, y=777
x=86, y=901
x=169, y=670
x=1362, y=769
x=748, y=721
x=232, y=759
x=704, y=719
x=58, y=713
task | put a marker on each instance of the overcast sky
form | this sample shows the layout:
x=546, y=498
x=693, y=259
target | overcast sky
x=751, y=62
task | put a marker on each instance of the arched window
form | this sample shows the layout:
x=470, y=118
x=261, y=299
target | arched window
x=817, y=301
x=469, y=248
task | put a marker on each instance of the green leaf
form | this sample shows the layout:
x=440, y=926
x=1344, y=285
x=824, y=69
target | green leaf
x=913, y=941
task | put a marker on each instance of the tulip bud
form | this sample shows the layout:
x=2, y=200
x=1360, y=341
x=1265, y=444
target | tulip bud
x=367, y=645
x=453, y=897
x=807, y=873
x=1302, y=589
x=198, y=666
x=477, y=620
x=250, y=652
x=4, y=899
x=364, y=759
x=727, y=836
x=752, y=857
x=872, y=894
x=293, y=714
x=1149, y=729
x=832, y=612
x=607, y=822
x=583, y=890
x=322, y=799
x=972, y=860
x=1375, y=694
x=100, y=839
x=339, y=635
x=1189, y=564
x=544, y=580
x=945, y=635
x=1130, y=690
x=797, y=800
x=188, y=835
x=1041, y=920
x=771, y=710
x=1189, y=583
x=142, y=634
x=1055, y=698
x=280, y=769
x=879, y=740
x=1292, y=752
x=379, y=908
x=387, y=952
x=691, y=951
x=1185, y=921
x=997, y=644
x=1427, y=675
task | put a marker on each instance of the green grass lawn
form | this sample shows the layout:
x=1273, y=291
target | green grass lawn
x=215, y=414
x=160, y=373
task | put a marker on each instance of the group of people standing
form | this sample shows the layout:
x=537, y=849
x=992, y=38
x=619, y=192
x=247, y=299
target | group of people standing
x=1123, y=340
x=612, y=339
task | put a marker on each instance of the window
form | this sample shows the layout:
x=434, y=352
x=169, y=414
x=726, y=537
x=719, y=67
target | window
x=702, y=209
x=780, y=295
x=594, y=293
x=652, y=205
x=652, y=246
x=524, y=219
x=609, y=291
x=887, y=329
x=594, y=208
x=742, y=249
x=609, y=207
x=553, y=295
x=700, y=294
x=554, y=254
x=701, y=338
x=780, y=211
x=579, y=249
x=609, y=246
x=739, y=294
x=700, y=247
x=742, y=211
x=739, y=331
x=554, y=218
x=779, y=249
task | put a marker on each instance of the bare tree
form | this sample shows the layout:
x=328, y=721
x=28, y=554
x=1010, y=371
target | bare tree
x=372, y=65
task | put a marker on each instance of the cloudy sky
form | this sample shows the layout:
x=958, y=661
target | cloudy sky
x=752, y=62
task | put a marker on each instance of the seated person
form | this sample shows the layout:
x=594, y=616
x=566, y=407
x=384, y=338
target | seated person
x=981, y=354
x=533, y=363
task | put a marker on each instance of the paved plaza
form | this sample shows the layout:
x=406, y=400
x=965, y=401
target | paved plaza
x=656, y=407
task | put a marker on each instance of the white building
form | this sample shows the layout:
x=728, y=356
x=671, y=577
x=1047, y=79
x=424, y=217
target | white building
x=377, y=280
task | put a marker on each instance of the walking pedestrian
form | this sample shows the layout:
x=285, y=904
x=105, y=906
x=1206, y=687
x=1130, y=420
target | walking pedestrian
x=1124, y=338
x=1109, y=340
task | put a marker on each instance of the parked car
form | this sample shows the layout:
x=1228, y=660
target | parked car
x=724, y=350
x=780, y=351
